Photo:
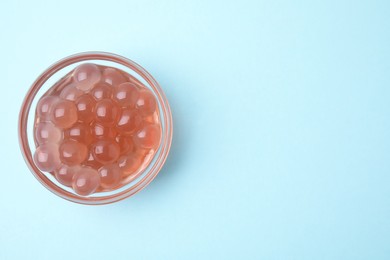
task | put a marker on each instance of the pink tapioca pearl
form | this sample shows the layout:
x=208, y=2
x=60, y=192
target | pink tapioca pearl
x=46, y=157
x=46, y=132
x=85, y=107
x=92, y=162
x=102, y=91
x=129, y=163
x=125, y=143
x=86, y=76
x=113, y=77
x=80, y=133
x=72, y=152
x=64, y=114
x=44, y=107
x=110, y=176
x=64, y=174
x=107, y=112
x=86, y=181
x=105, y=151
x=153, y=118
x=126, y=94
x=146, y=103
x=129, y=121
x=71, y=93
x=148, y=136
x=103, y=132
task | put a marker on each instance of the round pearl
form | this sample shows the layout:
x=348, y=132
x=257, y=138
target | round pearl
x=106, y=151
x=148, y=136
x=86, y=181
x=71, y=93
x=99, y=131
x=126, y=94
x=72, y=152
x=46, y=157
x=85, y=106
x=102, y=91
x=146, y=103
x=86, y=76
x=107, y=112
x=110, y=176
x=44, y=107
x=113, y=77
x=64, y=114
x=129, y=121
x=46, y=132
x=125, y=143
x=130, y=163
x=64, y=174
x=91, y=162
x=80, y=133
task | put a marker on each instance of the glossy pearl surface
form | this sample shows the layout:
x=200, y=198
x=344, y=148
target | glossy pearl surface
x=71, y=93
x=126, y=94
x=129, y=121
x=110, y=176
x=64, y=114
x=106, y=151
x=86, y=181
x=86, y=76
x=107, y=112
x=73, y=152
x=85, y=107
x=46, y=132
x=44, y=107
x=113, y=77
x=148, y=136
x=64, y=174
x=46, y=157
x=146, y=103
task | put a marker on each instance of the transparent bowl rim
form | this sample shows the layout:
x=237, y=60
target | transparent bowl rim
x=165, y=141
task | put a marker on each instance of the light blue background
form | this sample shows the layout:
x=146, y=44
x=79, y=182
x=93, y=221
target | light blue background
x=281, y=147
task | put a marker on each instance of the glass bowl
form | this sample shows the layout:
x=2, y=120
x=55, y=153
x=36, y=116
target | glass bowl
x=47, y=80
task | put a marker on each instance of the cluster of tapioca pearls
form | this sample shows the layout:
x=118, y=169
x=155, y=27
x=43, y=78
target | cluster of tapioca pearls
x=95, y=129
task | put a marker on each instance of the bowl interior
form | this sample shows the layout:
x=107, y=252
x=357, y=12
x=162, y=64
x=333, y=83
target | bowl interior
x=54, y=73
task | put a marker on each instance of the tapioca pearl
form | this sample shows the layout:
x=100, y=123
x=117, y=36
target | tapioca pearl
x=130, y=163
x=107, y=112
x=46, y=157
x=64, y=174
x=44, y=107
x=148, y=136
x=129, y=121
x=85, y=181
x=113, y=77
x=141, y=151
x=126, y=94
x=146, y=103
x=110, y=176
x=86, y=76
x=150, y=119
x=71, y=93
x=80, y=133
x=64, y=114
x=103, y=132
x=125, y=143
x=92, y=162
x=46, y=132
x=106, y=151
x=85, y=106
x=72, y=152
x=102, y=91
